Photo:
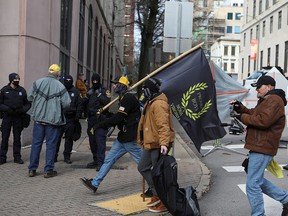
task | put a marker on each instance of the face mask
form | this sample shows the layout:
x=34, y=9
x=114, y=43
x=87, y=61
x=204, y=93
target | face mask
x=68, y=84
x=95, y=85
x=120, y=89
x=15, y=83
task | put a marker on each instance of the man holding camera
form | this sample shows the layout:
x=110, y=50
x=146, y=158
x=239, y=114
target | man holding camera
x=265, y=124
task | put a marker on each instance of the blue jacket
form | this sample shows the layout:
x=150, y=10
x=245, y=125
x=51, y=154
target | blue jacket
x=49, y=97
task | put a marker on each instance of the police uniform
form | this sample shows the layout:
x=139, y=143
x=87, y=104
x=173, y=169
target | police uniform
x=97, y=99
x=72, y=115
x=13, y=105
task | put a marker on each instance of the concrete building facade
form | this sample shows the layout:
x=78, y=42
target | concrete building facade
x=264, y=40
x=77, y=34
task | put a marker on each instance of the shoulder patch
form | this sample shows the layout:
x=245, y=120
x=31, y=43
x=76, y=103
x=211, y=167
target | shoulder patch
x=108, y=93
x=121, y=108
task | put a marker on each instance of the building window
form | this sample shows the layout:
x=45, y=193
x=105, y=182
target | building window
x=286, y=56
x=264, y=27
x=233, y=50
x=242, y=67
x=261, y=59
x=81, y=36
x=225, y=50
x=237, y=16
x=267, y=5
x=95, y=45
x=260, y=7
x=229, y=29
x=230, y=16
x=100, y=53
x=254, y=8
x=274, y=2
x=65, y=36
x=248, y=65
x=237, y=30
x=225, y=66
x=277, y=55
x=268, y=56
x=251, y=34
x=279, y=19
x=89, y=38
x=232, y=67
x=271, y=24
x=257, y=31
x=244, y=40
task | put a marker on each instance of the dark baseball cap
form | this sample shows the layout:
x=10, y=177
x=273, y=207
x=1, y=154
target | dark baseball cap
x=264, y=80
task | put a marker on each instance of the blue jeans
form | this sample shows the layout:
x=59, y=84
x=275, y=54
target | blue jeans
x=117, y=151
x=256, y=184
x=51, y=133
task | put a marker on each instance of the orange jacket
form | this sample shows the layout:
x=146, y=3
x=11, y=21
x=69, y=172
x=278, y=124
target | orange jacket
x=80, y=85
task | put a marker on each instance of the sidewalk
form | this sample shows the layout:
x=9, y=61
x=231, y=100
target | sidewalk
x=65, y=195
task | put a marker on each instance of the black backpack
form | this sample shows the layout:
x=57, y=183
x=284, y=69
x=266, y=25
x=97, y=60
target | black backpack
x=178, y=201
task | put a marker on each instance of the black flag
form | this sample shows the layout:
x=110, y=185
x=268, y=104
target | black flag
x=190, y=88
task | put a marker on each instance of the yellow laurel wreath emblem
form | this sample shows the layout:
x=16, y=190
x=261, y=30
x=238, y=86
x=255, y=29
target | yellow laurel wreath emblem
x=186, y=97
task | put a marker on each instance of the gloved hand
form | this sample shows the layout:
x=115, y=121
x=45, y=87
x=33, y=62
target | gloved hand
x=236, y=104
x=19, y=111
x=164, y=150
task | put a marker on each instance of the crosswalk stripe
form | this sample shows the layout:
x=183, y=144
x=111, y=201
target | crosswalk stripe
x=271, y=206
x=239, y=168
x=234, y=146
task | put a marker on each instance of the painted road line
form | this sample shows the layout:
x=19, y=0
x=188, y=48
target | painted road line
x=231, y=146
x=272, y=207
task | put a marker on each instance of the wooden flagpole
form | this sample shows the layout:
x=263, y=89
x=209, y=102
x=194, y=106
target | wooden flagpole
x=157, y=71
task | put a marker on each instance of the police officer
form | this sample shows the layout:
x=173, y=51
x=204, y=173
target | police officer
x=72, y=115
x=13, y=105
x=98, y=97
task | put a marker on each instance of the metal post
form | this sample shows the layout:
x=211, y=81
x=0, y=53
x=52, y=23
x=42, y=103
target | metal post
x=178, y=37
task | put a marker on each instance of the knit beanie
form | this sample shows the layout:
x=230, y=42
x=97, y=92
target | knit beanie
x=13, y=76
x=153, y=84
x=96, y=77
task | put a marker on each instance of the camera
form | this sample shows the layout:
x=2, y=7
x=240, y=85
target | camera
x=232, y=112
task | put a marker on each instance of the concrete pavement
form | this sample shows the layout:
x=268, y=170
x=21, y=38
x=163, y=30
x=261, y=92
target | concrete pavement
x=65, y=195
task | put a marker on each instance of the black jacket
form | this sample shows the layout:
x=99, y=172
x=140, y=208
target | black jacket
x=14, y=101
x=126, y=118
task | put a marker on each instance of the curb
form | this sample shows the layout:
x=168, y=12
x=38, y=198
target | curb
x=204, y=183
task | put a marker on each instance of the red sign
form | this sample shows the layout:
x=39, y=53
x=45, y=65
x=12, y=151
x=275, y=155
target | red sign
x=254, y=49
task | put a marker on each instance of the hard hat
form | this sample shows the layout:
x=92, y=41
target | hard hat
x=124, y=80
x=54, y=68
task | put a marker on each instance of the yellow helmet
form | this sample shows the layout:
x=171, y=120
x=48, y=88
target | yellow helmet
x=124, y=80
x=54, y=68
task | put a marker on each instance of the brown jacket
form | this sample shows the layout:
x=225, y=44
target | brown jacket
x=265, y=123
x=80, y=85
x=156, y=125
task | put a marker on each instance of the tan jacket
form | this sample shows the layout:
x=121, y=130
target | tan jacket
x=80, y=85
x=156, y=125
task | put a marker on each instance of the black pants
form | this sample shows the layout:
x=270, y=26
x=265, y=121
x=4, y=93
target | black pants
x=68, y=145
x=8, y=123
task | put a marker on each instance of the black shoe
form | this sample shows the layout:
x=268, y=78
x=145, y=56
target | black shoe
x=285, y=167
x=92, y=165
x=32, y=173
x=2, y=161
x=18, y=161
x=285, y=210
x=88, y=184
x=98, y=167
x=50, y=174
x=148, y=193
x=68, y=161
